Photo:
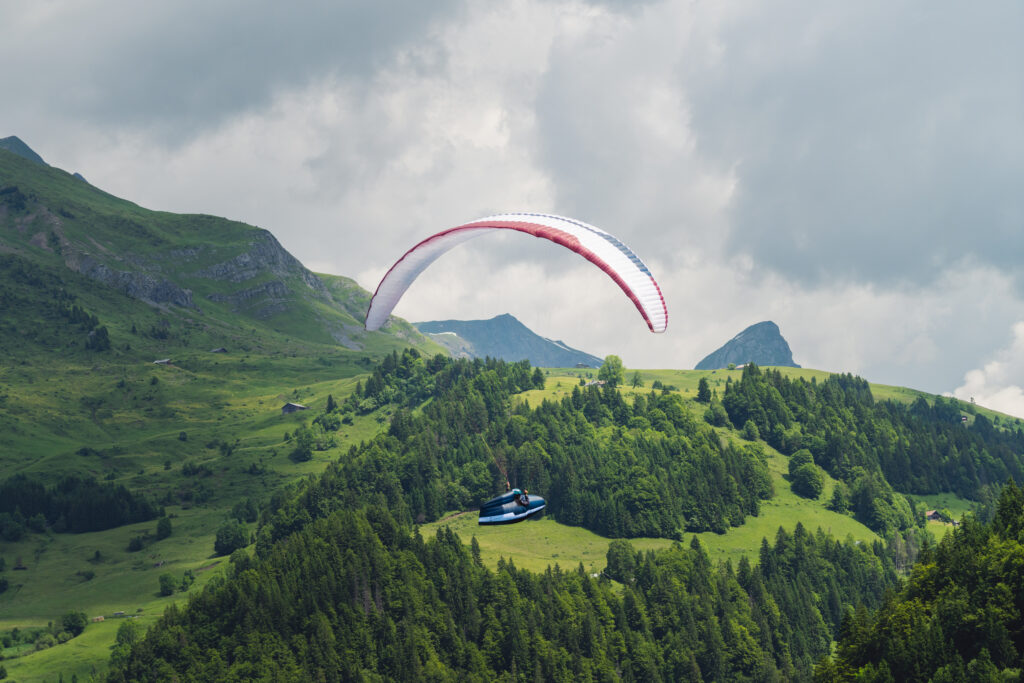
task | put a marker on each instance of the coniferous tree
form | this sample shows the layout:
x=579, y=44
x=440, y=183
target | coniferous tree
x=163, y=528
x=703, y=391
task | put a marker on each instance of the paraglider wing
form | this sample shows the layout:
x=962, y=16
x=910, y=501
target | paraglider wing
x=593, y=244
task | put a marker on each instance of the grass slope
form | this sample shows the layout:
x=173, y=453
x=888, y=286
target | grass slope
x=56, y=396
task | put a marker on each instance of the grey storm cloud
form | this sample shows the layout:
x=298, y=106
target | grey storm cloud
x=868, y=142
x=877, y=142
x=177, y=68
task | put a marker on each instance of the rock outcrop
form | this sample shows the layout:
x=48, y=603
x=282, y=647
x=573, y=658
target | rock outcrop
x=264, y=255
x=136, y=284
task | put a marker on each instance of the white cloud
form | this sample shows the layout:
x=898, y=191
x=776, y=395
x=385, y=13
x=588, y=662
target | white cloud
x=998, y=384
x=845, y=170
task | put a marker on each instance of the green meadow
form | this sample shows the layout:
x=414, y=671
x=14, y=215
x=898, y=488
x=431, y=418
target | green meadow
x=537, y=544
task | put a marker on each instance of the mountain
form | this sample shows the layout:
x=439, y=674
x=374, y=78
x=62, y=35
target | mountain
x=223, y=274
x=94, y=289
x=761, y=343
x=15, y=145
x=506, y=338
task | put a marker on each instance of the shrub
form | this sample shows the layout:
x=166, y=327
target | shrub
x=163, y=528
x=245, y=511
x=799, y=459
x=37, y=522
x=806, y=481
x=331, y=422
x=167, y=584
x=188, y=579
x=231, y=536
x=716, y=416
x=46, y=640
x=74, y=622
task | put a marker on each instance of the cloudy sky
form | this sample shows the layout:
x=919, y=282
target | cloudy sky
x=852, y=171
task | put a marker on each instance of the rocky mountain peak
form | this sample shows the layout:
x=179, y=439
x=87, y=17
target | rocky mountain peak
x=761, y=343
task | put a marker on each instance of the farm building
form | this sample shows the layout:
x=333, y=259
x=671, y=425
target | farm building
x=292, y=407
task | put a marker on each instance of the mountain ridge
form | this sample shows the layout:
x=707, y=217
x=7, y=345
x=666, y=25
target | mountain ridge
x=194, y=264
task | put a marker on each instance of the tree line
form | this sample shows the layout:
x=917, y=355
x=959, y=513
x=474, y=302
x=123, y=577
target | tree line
x=360, y=595
x=74, y=504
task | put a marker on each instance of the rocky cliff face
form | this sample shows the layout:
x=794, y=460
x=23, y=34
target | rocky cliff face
x=264, y=255
x=761, y=343
x=136, y=284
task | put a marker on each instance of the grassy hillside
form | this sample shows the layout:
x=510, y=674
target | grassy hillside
x=223, y=276
x=73, y=260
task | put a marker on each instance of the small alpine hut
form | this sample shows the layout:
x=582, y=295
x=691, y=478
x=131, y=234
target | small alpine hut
x=292, y=407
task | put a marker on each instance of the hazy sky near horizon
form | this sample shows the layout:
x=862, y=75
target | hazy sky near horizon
x=852, y=171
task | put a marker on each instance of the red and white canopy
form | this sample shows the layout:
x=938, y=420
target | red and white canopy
x=593, y=244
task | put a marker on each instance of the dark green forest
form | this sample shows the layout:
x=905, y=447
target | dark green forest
x=958, y=617
x=343, y=587
x=75, y=504
x=355, y=596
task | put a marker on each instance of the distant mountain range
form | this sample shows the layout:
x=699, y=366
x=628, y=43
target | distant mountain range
x=506, y=338
x=761, y=343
